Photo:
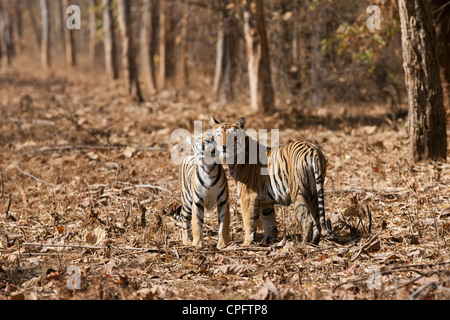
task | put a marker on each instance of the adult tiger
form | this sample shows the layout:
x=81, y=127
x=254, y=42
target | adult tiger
x=203, y=185
x=293, y=173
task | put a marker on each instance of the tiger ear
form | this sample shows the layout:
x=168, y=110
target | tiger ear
x=214, y=122
x=241, y=123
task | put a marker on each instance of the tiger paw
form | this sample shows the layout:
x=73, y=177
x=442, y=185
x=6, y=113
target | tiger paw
x=221, y=245
x=197, y=244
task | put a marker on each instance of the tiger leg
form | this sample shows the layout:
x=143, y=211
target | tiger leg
x=250, y=215
x=310, y=226
x=316, y=219
x=223, y=211
x=269, y=223
x=198, y=212
x=186, y=225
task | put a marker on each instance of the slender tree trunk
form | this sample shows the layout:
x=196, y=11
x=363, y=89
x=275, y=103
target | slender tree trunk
x=222, y=75
x=5, y=36
x=92, y=31
x=60, y=25
x=316, y=60
x=261, y=89
x=427, y=122
x=441, y=12
x=45, y=41
x=295, y=23
x=2, y=40
x=128, y=54
x=220, y=56
x=69, y=39
x=34, y=26
x=183, y=75
x=18, y=26
x=111, y=67
x=162, y=44
x=148, y=37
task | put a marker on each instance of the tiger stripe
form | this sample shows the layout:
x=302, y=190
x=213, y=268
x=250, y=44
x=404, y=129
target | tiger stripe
x=296, y=174
x=203, y=185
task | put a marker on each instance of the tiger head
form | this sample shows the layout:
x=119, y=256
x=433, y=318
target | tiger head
x=228, y=136
x=205, y=147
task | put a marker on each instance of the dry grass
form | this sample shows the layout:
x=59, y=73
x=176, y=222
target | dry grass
x=61, y=185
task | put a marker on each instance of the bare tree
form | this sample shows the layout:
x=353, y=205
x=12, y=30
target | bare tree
x=427, y=119
x=222, y=75
x=18, y=30
x=128, y=54
x=162, y=44
x=69, y=39
x=441, y=13
x=92, y=31
x=45, y=41
x=148, y=40
x=5, y=36
x=183, y=75
x=258, y=60
x=111, y=67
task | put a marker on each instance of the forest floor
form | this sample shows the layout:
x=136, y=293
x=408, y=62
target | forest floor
x=87, y=183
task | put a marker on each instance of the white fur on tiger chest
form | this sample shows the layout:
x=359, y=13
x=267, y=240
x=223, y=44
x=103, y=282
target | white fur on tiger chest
x=210, y=198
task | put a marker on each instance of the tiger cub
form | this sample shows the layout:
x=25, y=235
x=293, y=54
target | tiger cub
x=203, y=185
x=290, y=174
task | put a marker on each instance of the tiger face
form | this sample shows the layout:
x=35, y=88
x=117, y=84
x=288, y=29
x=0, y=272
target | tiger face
x=205, y=147
x=228, y=137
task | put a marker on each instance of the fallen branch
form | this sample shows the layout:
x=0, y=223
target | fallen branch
x=87, y=147
x=146, y=186
x=39, y=122
x=387, y=191
x=8, y=207
x=33, y=177
x=365, y=246
x=381, y=273
x=50, y=245
x=416, y=293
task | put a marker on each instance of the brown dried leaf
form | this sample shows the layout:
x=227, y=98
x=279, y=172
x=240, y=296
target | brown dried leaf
x=267, y=292
x=234, y=269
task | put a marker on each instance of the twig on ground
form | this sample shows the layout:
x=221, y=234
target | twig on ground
x=364, y=246
x=8, y=207
x=50, y=245
x=33, y=177
x=146, y=186
x=86, y=147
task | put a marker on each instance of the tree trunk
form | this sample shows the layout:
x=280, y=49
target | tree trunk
x=111, y=67
x=316, y=59
x=69, y=39
x=34, y=26
x=183, y=75
x=18, y=26
x=222, y=75
x=427, y=123
x=148, y=38
x=162, y=44
x=5, y=36
x=92, y=31
x=60, y=25
x=441, y=12
x=128, y=54
x=45, y=41
x=2, y=35
x=261, y=89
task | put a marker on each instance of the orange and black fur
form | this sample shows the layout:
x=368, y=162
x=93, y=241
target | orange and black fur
x=291, y=174
x=203, y=185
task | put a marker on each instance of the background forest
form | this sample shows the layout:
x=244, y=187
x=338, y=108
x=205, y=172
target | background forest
x=85, y=145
